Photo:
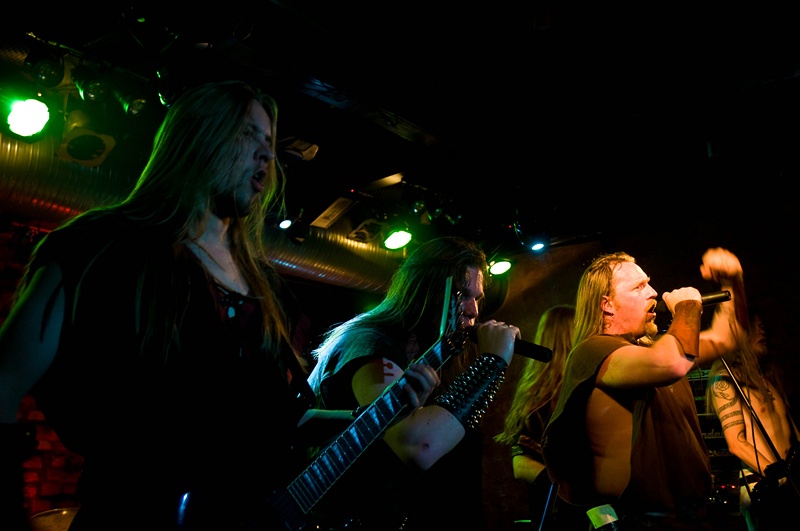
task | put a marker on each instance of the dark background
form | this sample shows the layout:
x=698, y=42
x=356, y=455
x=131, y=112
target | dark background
x=656, y=129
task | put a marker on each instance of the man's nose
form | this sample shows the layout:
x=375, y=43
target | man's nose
x=266, y=154
x=470, y=309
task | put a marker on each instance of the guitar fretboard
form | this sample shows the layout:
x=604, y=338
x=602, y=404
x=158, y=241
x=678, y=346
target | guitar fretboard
x=292, y=504
x=337, y=457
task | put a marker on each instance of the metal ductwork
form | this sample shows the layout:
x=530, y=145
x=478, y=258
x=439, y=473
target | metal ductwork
x=39, y=188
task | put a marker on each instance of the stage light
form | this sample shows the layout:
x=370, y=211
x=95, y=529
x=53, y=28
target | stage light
x=397, y=238
x=537, y=241
x=46, y=69
x=24, y=115
x=499, y=266
x=92, y=87
x=81, y=143
x=132, y=105
x=367, y=231
x=27, y=117
x=294, y=149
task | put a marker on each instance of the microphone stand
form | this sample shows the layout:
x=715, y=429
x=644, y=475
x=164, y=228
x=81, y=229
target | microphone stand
x=778, y=459
x=549, y=504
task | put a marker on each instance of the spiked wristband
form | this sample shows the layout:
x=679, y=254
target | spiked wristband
x=472, y=391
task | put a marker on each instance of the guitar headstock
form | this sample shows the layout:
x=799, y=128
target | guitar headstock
x=452, y=333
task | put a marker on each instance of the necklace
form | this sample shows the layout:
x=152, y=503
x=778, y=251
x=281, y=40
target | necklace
x=229, y=277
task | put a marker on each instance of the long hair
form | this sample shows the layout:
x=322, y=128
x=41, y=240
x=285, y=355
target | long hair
x=751, y=368
x=194, y=151
x=595, y=283
x=540, y=382
x=414, y=299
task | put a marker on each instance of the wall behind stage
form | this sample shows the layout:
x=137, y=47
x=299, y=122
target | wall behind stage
x=535, y=284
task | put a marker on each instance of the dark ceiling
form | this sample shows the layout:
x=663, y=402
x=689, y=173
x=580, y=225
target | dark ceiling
x=553, y=116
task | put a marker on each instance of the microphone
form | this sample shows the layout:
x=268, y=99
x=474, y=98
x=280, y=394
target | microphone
x=522, y=347
x=714, y=297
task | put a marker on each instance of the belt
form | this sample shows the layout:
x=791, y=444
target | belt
x=749, y=479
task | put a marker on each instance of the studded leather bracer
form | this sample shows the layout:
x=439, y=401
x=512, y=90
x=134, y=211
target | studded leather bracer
x=472, y=391
x=685, y=326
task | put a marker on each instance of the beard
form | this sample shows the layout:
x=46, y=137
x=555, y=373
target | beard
x=650, y=333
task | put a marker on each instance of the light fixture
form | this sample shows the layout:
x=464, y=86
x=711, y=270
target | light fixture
x=81, y=143
x=46, y=69
x=133, y=105
x=367, y=231
x=24, y=114
x=92, y=86
x=294, y=149
x=397, y=238
x=499, y=266
x=536, y=241
x=295, y=229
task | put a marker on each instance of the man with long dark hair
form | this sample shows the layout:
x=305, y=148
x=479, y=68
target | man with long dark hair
x=750, y=381
x=155, y=335
x=434, y=454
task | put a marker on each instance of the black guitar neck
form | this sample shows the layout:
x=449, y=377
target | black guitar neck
x=303, y=493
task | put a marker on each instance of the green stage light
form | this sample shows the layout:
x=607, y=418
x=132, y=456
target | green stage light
x=22, y=116
x=28, y=117
x=499, y=266
x=397, y=239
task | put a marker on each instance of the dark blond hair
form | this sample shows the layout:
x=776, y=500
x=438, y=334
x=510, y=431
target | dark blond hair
x=540, y=382
x=596, y=282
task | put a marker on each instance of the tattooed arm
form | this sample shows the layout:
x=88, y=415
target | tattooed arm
x=737, y=424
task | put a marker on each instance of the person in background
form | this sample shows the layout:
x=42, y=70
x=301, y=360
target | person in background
x=156, y=337
x=760, y=380
x=426, y=471
x=624, y=440
x=534, y=401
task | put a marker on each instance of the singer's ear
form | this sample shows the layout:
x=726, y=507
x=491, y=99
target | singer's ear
x=607, y=305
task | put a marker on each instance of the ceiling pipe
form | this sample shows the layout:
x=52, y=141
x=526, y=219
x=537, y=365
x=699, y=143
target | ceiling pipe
x=36, y=187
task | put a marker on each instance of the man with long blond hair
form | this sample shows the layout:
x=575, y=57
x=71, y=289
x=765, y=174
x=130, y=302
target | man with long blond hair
x=625, y=433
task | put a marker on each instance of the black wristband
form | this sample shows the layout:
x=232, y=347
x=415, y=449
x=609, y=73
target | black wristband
x=472, y=391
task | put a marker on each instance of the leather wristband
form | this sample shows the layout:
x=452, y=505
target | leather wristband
x=685, y=326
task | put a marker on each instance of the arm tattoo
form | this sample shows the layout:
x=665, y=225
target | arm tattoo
x=724, y=392
x=730, y=399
